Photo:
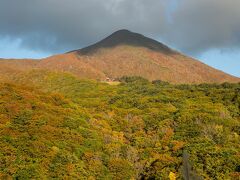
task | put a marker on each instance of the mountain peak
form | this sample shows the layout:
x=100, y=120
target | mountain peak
x=122, y=31
x=126, y=37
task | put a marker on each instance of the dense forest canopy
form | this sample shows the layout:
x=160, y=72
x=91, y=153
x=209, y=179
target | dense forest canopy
x=56, y=126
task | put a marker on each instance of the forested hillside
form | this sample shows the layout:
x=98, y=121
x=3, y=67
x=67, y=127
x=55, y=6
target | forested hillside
x=56, y=126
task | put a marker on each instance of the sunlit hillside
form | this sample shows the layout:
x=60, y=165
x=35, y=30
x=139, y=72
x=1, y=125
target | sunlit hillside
x=124, y=53
x=57, y=126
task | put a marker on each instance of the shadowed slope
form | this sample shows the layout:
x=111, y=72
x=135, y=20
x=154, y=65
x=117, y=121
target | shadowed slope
x=125, y=37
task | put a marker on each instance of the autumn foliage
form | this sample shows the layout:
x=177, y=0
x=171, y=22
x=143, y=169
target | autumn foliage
x=56, y=126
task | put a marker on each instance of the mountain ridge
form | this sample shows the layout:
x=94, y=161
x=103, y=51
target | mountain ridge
x=125, y=53
x=126, y=37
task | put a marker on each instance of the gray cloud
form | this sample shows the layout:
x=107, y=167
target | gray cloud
x=200, y=25
x=64, y=24
x=61, y=25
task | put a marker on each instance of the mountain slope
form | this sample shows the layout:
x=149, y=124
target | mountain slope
x=56, y=126
x=125, y=60
x=125, y=53
x=125, y=37
x=10, y=68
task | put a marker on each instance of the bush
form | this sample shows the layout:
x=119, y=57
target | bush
x=23, y=117
x=133, y=79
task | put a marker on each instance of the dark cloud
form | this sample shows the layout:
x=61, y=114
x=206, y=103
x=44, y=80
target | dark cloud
x=200, y=25
x=64, y=24
x=192, y=26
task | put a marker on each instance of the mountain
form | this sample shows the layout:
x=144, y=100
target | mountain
x=55, y=125
x=125, y=53
x=125, y=37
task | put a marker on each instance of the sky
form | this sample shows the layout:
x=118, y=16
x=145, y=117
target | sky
x=208, y=30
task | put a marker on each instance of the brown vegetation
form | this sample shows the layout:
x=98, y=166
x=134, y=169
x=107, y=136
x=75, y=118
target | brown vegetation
x=125, y=54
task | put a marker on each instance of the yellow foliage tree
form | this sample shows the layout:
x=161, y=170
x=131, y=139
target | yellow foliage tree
x=172, y=176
